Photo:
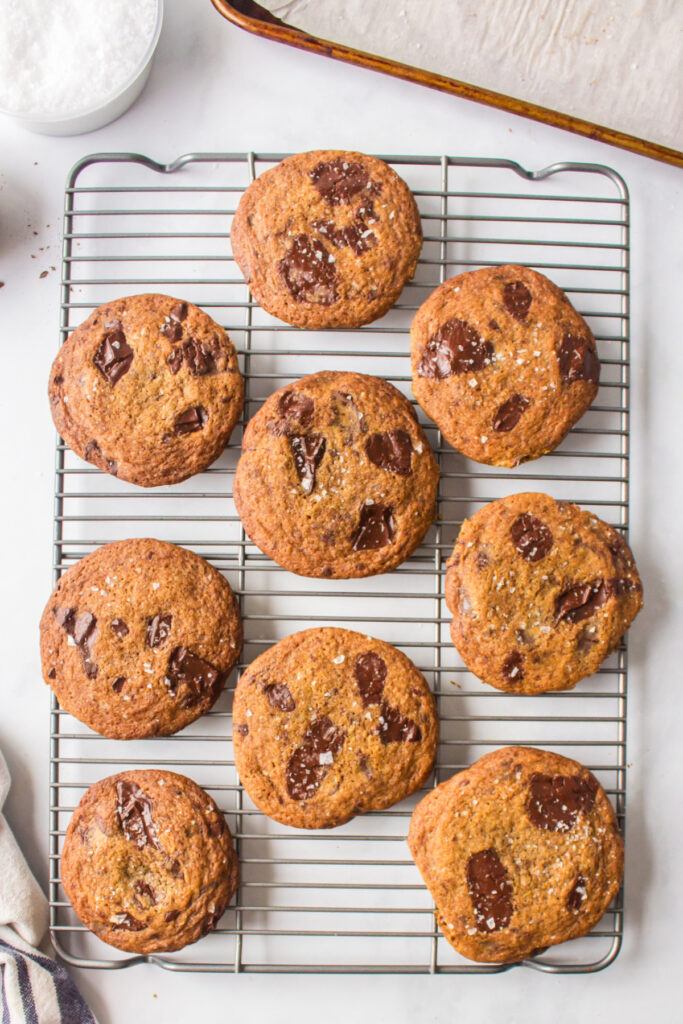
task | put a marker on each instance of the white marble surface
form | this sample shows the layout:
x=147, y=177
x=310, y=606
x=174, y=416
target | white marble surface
x=215, y=88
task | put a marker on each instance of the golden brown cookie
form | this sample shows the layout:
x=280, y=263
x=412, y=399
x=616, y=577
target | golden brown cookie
x=147, y=389
x=328, y=724
x=336, y=477
x=541, y=592
x=327, y=239
x=520, y=852
x=502, y=363
x=138, y=638
x=148, y=861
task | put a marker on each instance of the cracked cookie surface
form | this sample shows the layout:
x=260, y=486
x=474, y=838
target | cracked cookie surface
x=330, y=723
x=147, y=389
x=502, y=363
x=336, y=477
x=148, y=861
x=138, y=638
x=520, y=852
x=541, y=591
x=327, y=238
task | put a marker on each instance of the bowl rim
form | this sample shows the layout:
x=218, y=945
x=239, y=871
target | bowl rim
x=54, y=119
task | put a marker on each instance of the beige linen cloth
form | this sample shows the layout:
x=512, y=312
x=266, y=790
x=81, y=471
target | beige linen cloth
x=617, y=63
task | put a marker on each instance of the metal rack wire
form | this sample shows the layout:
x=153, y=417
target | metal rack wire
x=347, y=900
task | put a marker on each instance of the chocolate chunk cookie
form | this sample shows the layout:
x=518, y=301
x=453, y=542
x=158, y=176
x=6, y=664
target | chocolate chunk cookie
x=503, y=364
x=147, y=389
x=138, y=638
x=541, y=592
x=336, y=477
x=328, y=724
x=520, y=852
x=327, y=239
x=148, y=861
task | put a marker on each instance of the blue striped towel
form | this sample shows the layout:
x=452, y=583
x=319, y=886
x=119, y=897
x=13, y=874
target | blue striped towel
x=34, y=989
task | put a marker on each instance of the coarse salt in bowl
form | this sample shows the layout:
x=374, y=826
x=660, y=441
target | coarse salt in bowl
x=70, y=66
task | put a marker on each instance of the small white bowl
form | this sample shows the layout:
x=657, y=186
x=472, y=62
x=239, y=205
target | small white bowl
x=106, y=111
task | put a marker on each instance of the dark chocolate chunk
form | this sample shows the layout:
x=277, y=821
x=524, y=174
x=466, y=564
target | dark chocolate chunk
x=172, y=330
x=308, y=272
x=371, y=672
x=134, y=815
x=65, y=618
x=455, y=348
x=92, y=452
x=490, y=890
x=310, y=762
x=307, y=452
x=508, y=414
x=280, y=697
x=171, y=915
x=145, y=889
x=209, y=922
x=494, y=325
x=216, y=827
x=118, y=684
x=242, y=730
x=175, y=360
x=357, y=236
x=577, y=893
x=375, y=528
x=127, y=922
x=513, y=668
x=119, y=627
x=517, y=299
x=339, y=180
x=52, y=673
x=531, y=537
x=577, y=358
x=158, y=629
x=84, y=634
x=191, y=420
x=198, y=358
x=197, y=676
x=114, y=356
x=294, y=405
x=392, y=450
x=581, y=601
x=555, y=801
x=179, y=312
x=397, y=728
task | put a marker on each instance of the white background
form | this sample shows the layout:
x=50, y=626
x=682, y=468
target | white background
x=216, y=88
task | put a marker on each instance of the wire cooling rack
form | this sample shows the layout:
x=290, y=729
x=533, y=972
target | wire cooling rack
x=349, y=899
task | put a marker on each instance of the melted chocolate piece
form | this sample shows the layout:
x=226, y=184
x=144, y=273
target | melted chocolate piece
x=531, y=537
x=339, y=180
x=307, y=452
x=191, y=420
x=280, y=697
x=172, y=330
x=92, y=452
x=375, y=528
x=577, y=359
x=310, y=763
x=127, y=922
x=158, y=629
x=513, y=668
x=197, y=675
x=509, y=413
x=517, y=299
x=145, y=889
x=490, y=891
x=119, y=627
x=118, y=684
x=175, y=360
x=581, y=601
x=392, y=450
x=577, y=894
x=171, y=915
x=179, y=312
x=371, y=672
x=134, y=815
x=83, y=629
x=494, y=325
x=242, y=730
x=555, y=801
x=294, y=405
x=455, y=348
x=114, y=356
x=52, y=673
x=397, y=728
x=308, y=273
x=198, y=358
